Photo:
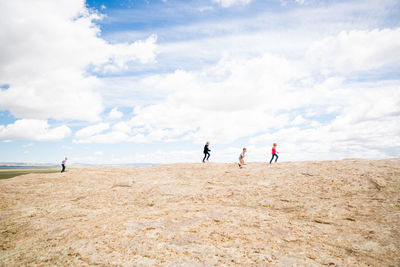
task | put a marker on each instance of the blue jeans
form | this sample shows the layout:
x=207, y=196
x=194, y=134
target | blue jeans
x=63, y=167
x=273, y=155
x=206, y=155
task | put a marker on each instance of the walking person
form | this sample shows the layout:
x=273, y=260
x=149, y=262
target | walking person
x=63, y=164
x=206, y=152
x=274, y=153
x=241, y=157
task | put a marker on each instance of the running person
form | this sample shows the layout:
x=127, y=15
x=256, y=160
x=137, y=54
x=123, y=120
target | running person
x=206, y=152
x=241, y=157
x=274, y=153
x=63, y=164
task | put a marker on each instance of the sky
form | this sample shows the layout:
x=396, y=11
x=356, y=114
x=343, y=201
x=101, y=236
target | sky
x=143, y=81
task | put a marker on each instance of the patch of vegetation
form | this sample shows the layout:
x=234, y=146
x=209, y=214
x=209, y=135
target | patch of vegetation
x=10, y=173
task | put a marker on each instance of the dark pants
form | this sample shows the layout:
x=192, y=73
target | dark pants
x=206, y=155
x=63, y=167
x=273, y=155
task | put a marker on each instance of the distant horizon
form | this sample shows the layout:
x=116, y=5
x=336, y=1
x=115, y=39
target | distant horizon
x=3, y=164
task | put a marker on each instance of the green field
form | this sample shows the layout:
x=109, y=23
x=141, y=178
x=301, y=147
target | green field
x=9, y=173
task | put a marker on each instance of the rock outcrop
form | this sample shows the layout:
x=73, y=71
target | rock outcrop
x=339, y=213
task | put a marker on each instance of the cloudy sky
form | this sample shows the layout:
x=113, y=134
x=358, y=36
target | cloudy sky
x=140, y=81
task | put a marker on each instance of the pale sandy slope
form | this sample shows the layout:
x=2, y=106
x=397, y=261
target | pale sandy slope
x=344, y=213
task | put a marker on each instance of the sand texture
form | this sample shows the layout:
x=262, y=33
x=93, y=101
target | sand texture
x=335, y=213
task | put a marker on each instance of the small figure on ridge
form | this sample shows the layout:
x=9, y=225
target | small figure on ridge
x=63, y=164
x=241, y=157
x=206, y=152
x=274, y=153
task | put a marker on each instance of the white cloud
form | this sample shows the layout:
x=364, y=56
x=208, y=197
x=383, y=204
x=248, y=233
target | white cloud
x=96, y=134
x=120, y=132
x=367, y=126
x=115, y=114
x=92, y=130
x=241, y=97
x=228, y=3
x=106, y=138
x=122, y=127
x=121, y=54
x=367, y=139
x=30, y=129
x=372, y=102
x=205, y=8
x=28, y=145
x=301, y=2
x=356, y=50
x=47, y=49
x=298, y=120
x=233, y=99
x=289, y=33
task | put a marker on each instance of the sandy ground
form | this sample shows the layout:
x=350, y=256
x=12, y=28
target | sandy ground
x=339, y=213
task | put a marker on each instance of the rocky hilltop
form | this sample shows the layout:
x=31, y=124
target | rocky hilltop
x=339, y=213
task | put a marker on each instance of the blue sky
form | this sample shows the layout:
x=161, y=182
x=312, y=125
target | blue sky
x=152, y=81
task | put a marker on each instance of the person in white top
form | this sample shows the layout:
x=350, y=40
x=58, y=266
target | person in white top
x=63, y=164
x=241, y=157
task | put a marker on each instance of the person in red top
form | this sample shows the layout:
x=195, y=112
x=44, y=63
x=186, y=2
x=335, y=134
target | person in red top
x=274, y=153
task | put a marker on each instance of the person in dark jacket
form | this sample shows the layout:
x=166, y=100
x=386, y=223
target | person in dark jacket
x=206, y=152
x=63, y=164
